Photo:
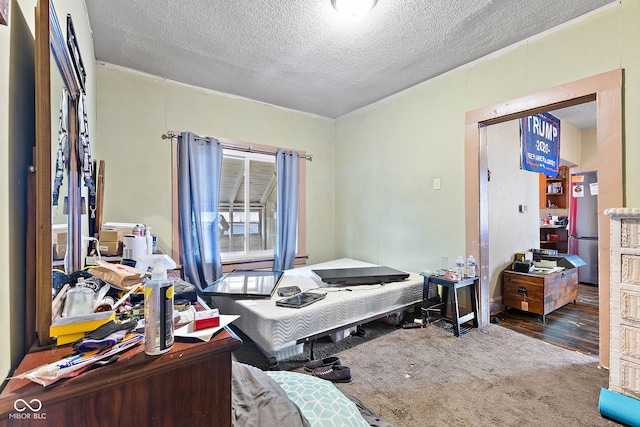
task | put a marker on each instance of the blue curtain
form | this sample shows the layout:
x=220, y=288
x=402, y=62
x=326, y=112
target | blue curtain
x=288, y=173
x=199, y=169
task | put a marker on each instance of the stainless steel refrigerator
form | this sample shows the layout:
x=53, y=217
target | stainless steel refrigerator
x=583, y=240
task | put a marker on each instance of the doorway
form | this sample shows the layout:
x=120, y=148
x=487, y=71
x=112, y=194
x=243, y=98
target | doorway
x=531, y=210
x=606, y=90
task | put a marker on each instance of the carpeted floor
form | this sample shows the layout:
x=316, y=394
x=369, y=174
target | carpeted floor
x=491, y=377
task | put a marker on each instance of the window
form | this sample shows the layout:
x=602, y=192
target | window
x=247, y=209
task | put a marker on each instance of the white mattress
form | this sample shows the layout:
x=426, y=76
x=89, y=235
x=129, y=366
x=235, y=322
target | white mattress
x=276, y=330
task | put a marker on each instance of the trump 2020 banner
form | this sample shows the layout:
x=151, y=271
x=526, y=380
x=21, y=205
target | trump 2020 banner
x=540, y=144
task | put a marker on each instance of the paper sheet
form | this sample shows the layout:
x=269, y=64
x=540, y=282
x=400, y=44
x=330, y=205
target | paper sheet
x=76, y=363
x=205, y=334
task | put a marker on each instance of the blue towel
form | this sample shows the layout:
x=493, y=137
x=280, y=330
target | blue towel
x=620, y=408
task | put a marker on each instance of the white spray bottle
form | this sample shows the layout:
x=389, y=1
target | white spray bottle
x=158, y=305
x=149, y=239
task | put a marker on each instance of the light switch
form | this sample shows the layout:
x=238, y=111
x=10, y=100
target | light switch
x=436, y=183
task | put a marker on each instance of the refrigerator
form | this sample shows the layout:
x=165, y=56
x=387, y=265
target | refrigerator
x=583, y=224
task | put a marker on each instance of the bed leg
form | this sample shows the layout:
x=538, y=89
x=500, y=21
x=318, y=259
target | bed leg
x=311, y=343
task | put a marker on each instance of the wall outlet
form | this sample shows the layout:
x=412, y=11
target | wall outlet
x=436, y=183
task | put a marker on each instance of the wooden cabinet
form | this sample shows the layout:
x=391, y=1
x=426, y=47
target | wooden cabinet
x=190, y=385
x=554, y=237
x=554, y=191
x=539, y=293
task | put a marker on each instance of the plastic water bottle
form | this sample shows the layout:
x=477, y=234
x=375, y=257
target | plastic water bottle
x=460, y=266
x=471, y=266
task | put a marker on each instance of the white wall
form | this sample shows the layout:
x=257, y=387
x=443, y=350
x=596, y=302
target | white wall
x=510, y=230
x=399, y=145
x=570, y=144
x=5, y=225
x=387, y=157
x=589, y=153
x=135, y=110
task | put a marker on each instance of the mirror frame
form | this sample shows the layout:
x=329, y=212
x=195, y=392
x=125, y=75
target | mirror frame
x=50, y=42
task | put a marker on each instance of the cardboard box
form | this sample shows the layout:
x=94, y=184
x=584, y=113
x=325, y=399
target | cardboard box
x=113, y=235
x=59, y=237
x=110, y=248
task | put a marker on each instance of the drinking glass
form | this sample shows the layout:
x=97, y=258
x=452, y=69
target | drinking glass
x=445, y=264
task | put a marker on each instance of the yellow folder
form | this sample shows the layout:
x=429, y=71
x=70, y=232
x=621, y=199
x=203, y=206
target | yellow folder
x=69, y=329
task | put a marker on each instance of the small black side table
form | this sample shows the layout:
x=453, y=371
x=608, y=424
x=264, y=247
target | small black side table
x=452, y=285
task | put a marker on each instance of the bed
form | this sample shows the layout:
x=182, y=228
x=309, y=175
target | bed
x=292, y=399
x=281, y=332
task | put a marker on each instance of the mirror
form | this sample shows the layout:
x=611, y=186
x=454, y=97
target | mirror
x=50, y=81
x=59, y=169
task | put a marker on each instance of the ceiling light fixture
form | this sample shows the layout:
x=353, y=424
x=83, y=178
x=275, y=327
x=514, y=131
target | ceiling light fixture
x=353, y=8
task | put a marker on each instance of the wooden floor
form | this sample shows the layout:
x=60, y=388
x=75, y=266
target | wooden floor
x=574, y=326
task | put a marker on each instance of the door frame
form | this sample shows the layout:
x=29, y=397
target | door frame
x=606, y=90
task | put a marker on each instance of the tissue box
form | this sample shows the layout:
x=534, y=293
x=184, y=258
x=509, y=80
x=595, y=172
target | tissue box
x=207, y=319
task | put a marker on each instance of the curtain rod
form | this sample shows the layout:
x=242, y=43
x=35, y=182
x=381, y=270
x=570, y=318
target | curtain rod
x=234, y=146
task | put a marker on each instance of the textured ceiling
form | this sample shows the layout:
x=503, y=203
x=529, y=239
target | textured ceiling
x=302, y=55
x=581, y=116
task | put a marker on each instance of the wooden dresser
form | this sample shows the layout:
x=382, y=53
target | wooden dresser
x=539, y=293
x=190, y=385
x=624, y=363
